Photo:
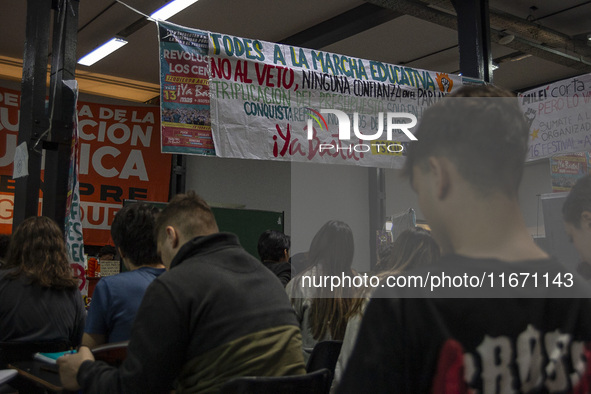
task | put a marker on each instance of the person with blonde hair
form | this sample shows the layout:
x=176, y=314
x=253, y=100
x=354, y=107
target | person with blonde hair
x=413, y=248
x=323, y=312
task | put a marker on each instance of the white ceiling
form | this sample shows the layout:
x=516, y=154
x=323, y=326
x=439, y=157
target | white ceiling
x=403, y=40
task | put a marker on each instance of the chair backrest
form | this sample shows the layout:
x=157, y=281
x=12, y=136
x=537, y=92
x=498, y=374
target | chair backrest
x=112, y=353
x=324, y=355
x=312, y=383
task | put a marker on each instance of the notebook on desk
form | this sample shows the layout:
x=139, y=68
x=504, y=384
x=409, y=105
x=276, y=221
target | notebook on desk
x=51, y=358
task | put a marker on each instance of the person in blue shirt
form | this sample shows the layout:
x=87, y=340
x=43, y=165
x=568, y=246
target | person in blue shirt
x=117, y=298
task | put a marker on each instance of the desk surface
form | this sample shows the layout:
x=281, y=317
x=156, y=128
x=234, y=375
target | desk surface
x=39, y=372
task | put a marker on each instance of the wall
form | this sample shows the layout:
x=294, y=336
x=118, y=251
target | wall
x=400, y=196
x=16, y=85
x=324, y=192
x=310, y=195
x=251, y=184
x=536, y=180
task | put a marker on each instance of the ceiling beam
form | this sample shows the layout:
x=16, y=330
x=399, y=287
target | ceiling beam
x=529, y=30
x=577, y=62
x=422, y=11
x=347, y=24
x=91, y=83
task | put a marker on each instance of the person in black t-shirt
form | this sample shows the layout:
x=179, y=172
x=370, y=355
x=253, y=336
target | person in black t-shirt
x=506, y=336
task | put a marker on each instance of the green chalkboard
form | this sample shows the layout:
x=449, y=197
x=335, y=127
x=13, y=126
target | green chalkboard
x=247, y=224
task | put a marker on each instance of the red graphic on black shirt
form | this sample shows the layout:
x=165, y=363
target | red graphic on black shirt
x=584, y=386
x=450, y=371
x=449, y=376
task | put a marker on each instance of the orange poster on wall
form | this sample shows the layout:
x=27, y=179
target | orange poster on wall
x=120, y=159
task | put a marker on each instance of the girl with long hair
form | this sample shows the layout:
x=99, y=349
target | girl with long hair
x=323, y=311
x=39, y=297
x=412, y=249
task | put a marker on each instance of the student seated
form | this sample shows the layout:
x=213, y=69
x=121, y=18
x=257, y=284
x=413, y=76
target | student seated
x=413, y=248
x=216, y=314
x=107, y=252
x=273, y=248
x=323, y=312
x=117, y=298
x=576, y=212
x=39, y=296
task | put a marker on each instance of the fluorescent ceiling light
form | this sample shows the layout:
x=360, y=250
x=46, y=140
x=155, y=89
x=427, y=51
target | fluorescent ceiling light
x=524, y=56
x=171, y=9
x=104, y=50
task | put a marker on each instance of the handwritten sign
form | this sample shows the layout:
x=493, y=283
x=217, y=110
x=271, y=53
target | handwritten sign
x=109, y=267
x=559, y=115
x=266, y=100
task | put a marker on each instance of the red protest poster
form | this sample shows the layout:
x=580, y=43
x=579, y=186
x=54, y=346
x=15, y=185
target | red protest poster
x=120, y=159
x=9, y=113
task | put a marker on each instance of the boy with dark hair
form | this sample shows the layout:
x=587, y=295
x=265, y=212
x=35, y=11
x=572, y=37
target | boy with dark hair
x=107, y=252
x=117, y=298
x=216, y=314
x=504, y=337
x=482, y=132
x=273, y=248
x=576, y=212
